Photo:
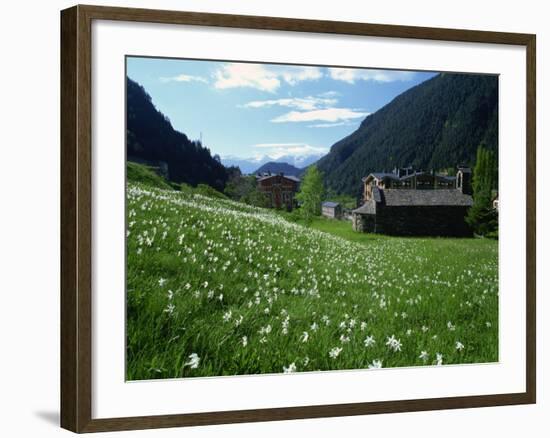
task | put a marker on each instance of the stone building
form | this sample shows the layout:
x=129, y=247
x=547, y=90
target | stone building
x=279, y=189
x=415, y=203
x=331, y=210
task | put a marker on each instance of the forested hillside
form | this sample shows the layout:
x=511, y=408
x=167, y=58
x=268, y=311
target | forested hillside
x=437, y=124
x=151, y=139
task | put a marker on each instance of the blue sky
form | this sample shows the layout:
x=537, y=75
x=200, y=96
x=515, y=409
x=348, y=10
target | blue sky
x=250, y=110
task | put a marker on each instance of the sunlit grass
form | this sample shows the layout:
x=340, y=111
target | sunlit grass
x=221, y=288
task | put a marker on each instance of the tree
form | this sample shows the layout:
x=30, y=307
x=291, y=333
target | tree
x=311, y=193
x=482, y=217
x=244, y=188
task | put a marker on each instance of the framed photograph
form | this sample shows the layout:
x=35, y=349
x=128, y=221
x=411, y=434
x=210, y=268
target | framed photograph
x=270, y=218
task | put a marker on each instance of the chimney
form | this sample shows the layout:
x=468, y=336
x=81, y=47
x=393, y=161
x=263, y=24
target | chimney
x=464, y=180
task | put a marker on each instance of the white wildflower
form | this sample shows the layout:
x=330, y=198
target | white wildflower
x=334, y=353
x=344, y=339
x=304, y=337
x=393, y=343
x=290, y=369
x=194, y=360
x=375, y=364
x=424, y=356
x=227, y=316
x=369, y=341
x=265, y=330
x=459, y=346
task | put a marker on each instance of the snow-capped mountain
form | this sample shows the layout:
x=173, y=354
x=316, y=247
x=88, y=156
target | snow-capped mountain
x=249, y=165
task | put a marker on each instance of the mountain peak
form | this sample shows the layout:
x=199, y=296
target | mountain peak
x=277, y=167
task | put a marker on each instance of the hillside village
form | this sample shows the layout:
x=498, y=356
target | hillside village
x=406, y=201
x=402, y=202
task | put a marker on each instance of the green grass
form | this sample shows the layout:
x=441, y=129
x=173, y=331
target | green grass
x=140, y=173
x=204, y=272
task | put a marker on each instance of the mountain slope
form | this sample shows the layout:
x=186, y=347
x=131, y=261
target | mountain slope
x=276, y=167
x=436, y=124
x=151, y=139
x=249, y=165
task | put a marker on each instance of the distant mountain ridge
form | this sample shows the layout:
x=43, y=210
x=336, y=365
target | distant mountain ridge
x=249, y=165
x=276, y=167
x=434, y=125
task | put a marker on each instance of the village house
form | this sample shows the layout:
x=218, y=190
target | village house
x=279, y=189
x=331, y=210
x=408, y=202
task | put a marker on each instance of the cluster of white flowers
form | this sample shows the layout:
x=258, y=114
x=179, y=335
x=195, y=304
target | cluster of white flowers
x=225, y=242
x=335, y=352
x=393, y=343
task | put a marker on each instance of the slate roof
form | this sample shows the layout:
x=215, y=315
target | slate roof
x=412, y=175
x=416, y=198
x=367, y=208
x=330, y=204
x=430, y=197
x=290, y=177
x=393, y=176
x=382, y=175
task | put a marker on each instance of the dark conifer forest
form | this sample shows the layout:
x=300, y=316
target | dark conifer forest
x=151, y=139
x=436, y=125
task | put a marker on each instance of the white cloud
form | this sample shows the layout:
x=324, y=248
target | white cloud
x=184, y=78
x=278, y=150
x=351, y=75
x=324, y=115
x=302, y=103
x=261, y=77
x=246, y=75
x=293, y=75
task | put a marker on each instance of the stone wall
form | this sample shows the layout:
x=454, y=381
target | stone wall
x=364, y=223
x=422, y=221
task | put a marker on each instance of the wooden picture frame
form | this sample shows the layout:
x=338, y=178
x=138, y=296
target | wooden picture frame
x=76, y=218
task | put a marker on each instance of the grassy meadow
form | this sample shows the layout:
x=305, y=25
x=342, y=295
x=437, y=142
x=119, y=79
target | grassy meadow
x=216, y=287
